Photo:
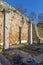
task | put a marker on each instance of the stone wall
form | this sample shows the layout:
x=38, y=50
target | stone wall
x=1, y=26
x=15, y=20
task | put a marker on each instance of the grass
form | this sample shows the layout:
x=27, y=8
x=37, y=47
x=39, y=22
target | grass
x=41, y=63
x=28, y=49
x=0, y=50
x=40, y=31
x=18, y=45
x=23, y=47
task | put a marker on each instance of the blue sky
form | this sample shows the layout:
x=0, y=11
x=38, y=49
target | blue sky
x=30, y=5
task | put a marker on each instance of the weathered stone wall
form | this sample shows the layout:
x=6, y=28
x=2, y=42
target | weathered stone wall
x=15, y=20
x=1, y=26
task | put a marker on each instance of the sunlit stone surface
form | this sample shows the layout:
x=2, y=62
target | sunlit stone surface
x=6, y=30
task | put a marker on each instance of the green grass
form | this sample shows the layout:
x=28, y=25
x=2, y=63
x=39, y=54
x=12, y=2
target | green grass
x=41, y=63
x=40, y=31
x=18, y=45
x=0, y=50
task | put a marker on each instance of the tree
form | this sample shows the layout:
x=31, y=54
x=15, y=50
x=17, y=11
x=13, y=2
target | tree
x=32, y=16
x=20, y=8
x=40, y=17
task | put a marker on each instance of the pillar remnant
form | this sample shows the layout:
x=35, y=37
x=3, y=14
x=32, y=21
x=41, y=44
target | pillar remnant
x=30, y=33
x=6, y=30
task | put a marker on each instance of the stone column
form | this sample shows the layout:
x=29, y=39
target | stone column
x=31, y=33
x=6, y=30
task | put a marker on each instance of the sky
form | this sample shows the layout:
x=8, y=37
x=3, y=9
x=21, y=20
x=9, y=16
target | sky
x=30, y=5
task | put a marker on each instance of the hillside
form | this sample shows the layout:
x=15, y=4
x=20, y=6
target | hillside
x=40, y=31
